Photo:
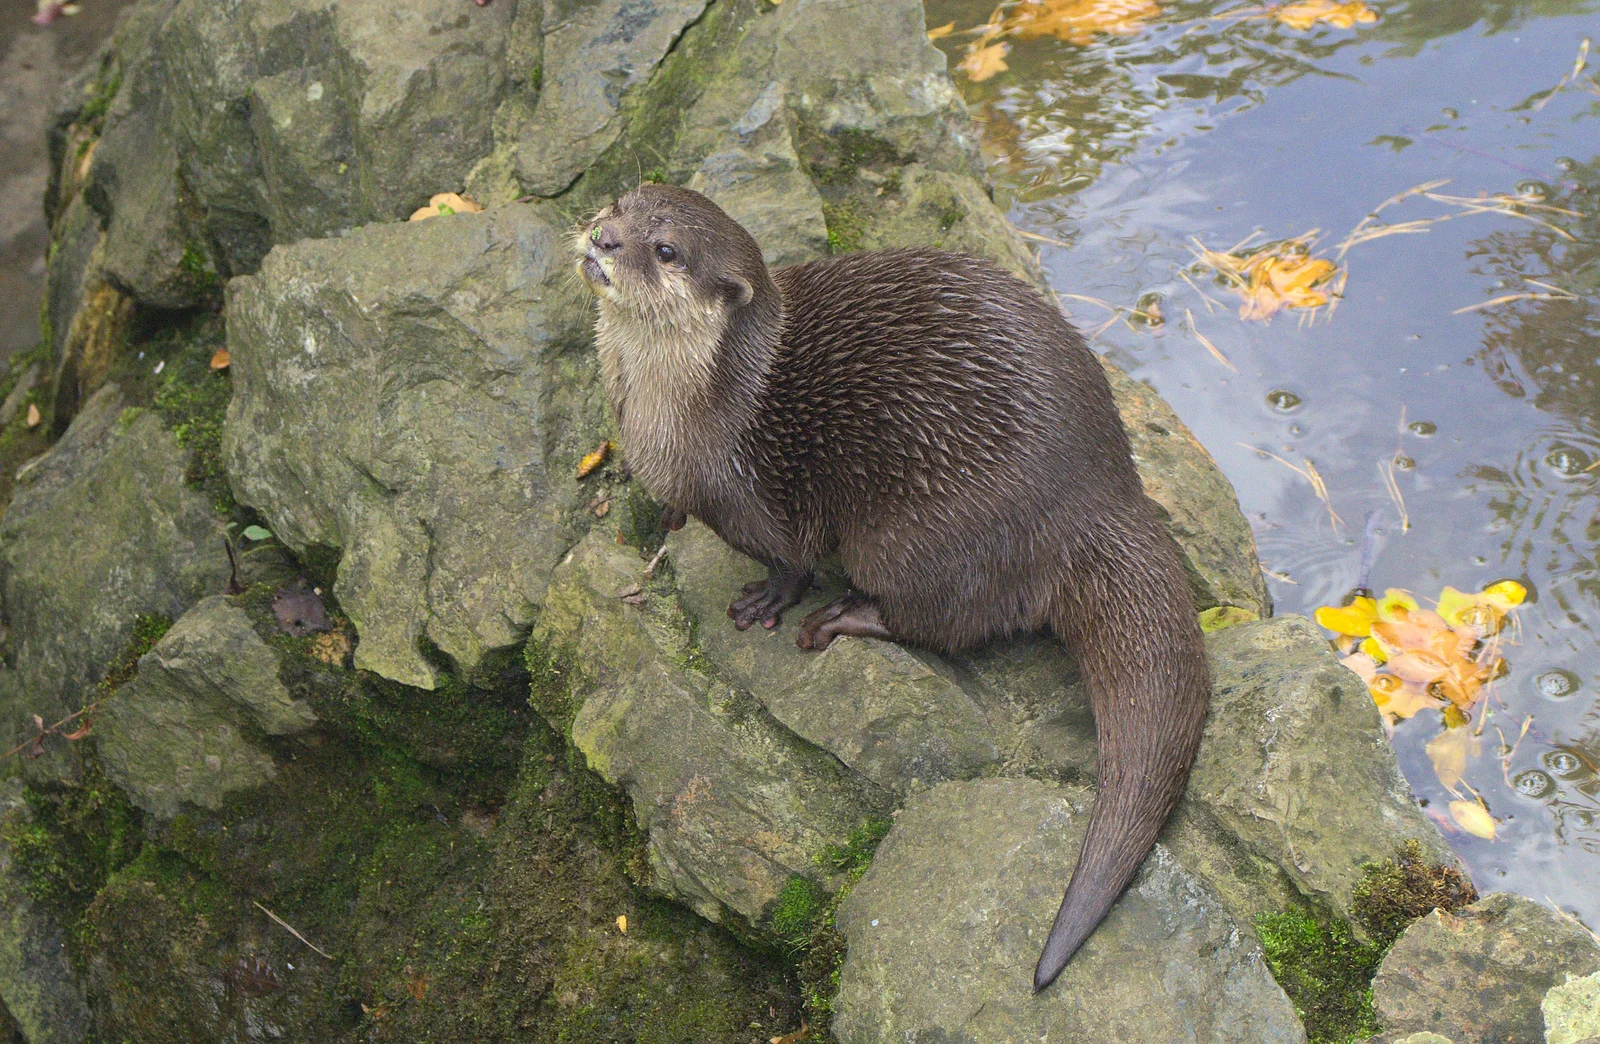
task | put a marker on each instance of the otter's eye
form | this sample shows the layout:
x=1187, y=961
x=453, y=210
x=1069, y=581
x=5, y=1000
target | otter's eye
x=666, y=254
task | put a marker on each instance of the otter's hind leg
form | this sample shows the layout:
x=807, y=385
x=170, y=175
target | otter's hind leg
x=854, y=614
x=765, y=600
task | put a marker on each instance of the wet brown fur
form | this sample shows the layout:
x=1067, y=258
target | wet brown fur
x=933, y=421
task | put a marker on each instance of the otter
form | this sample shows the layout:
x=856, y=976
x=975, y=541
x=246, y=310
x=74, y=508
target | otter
x=938, y=425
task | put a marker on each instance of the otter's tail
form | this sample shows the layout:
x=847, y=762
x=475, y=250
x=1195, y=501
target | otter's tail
x=1130, y=622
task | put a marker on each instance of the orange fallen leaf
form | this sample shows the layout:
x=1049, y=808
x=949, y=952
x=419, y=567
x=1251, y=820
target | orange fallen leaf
x=942, y=31
x=1078, y=21
x=591, y=461
x=221, y=359
x=417, y=985
x=1306, y=13
x=1449, y=751
x=1276, y=275
x=982, y=63
x=446, y=203
x=796, y=1037
x=1474, y=818
x=33, y=415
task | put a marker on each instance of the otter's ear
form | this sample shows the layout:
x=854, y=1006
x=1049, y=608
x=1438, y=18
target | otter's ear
x=737, y=290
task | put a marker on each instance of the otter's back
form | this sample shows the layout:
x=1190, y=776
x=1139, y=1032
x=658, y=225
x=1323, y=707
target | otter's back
x=908, y=373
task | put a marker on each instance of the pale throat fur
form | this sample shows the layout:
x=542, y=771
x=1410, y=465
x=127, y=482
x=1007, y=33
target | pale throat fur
x=658, y=354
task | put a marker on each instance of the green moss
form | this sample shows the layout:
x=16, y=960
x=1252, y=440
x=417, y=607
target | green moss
x=193, y=399
x=1397, y=891
x=799, y=911
x=1322, y=965
x=94, y=111
x=1325, y=971
x=855, y=855
x=846, y=225
x=835, y=158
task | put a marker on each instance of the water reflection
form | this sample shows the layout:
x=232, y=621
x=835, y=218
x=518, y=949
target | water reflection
x=1205, y=126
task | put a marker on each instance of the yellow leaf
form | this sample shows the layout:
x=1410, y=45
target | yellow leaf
x=33, y=415
x=1506, y=594
x=1218, y=617
x=943, y=30
x=1449, y=752
x=622, y=923
x=1306, y=13
x=981, y=63
x=1077, y=21
x=1372, y=648
x=446, y=203
x=591, y=461
x=1393, y=601
x=1355, y=619
x=1472, y=817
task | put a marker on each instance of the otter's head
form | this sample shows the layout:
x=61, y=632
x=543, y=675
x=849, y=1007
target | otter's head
x=668, y=254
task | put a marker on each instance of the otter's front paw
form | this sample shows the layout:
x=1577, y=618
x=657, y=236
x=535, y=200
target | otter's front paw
x=672, y=519
x=765, y=600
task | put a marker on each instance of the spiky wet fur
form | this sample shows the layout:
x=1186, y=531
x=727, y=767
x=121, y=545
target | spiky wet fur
x=933, y=421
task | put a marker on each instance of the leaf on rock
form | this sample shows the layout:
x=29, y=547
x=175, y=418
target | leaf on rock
x=300, y=611
x=1218, y=617
x=33, y=415
x=622, y=923
x=444, y=203
x=592, y=461
x=221, y=359
x=1474, y=818
x=254, y=533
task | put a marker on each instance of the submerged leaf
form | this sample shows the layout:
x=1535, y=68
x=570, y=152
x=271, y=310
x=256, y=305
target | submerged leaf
x=1306, y=13
x=1474, y=818
x=1078, y=21
x=982, y=63
x=1355, y=619
x=1449, y=752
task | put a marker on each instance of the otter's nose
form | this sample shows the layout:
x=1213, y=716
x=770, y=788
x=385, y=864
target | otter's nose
x=605, y=239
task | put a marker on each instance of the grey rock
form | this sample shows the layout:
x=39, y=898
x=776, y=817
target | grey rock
x=950, y=211
x=417, y=395
x=1295, y=764
x=241, y=126
x=946, y=925
x=594, y=55
x=1478, y=976
x=1202, y=510
x=37, y=985
x=1572, y=1010
x=1424, y=1038
x=100, y=529
x=733, y=805
x=760, y=184
x=12, y=407
x=181, y=731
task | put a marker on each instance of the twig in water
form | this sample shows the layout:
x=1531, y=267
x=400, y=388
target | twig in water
x=1386, y=469
x=1203, y=339
x=1282, y=577
x=1205, y=298
x=1555, y=294
x=286, y=926
x=1025, y=234
x=1311, y=475
x=1568, y=917
x=1577, y=70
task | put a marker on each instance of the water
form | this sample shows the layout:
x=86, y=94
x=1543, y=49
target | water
x=1206, y=127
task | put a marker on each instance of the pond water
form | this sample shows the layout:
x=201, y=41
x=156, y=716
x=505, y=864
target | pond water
x=1191, y=124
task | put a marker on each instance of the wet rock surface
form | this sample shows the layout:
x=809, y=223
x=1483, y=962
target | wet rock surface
x=1481, y=974
x=101, y=529
x=943, y=948
x=417, y=395
x=181, y=732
